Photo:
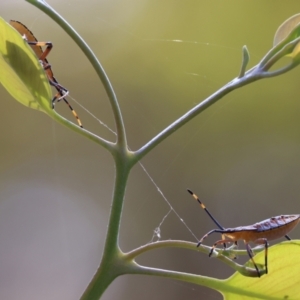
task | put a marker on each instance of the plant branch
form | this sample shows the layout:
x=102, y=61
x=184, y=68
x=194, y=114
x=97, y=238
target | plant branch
x=121, y=135
x=184, y=245
x=257, y=72
x=284, y=51
x=192, y=278
x=246, y=271
x=234, y=84
x=289, y=67
x=216, y=284
x=91, y=136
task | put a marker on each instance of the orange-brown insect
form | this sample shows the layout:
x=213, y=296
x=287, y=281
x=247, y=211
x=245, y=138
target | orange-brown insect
x=258, y=233
x=37, y=48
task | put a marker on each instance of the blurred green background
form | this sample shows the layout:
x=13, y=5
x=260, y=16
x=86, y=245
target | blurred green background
x=241, y=156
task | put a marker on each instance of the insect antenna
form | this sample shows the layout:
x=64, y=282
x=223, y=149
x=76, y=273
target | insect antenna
x=62, y=92
x=203, y=206
x=215, y=221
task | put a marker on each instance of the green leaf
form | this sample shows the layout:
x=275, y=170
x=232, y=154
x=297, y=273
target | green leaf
x=21, y=73
x=282, y=281
x=289, y=29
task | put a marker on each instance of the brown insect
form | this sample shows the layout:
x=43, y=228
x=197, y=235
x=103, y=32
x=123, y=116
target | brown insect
x=258, y=233
x=37, y=48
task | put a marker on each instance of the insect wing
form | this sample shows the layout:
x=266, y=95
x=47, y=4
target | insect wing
x=28, y=35
x=277, y=222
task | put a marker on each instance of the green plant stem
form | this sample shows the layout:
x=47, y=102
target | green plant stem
x=285, y=50
x=246, y=271
x=213, y=283
x=281, y=71
x=257, y=72
x=121, y=135
x=183, y=245
x=234, y=84
x=112, y=262
x=91, y=136
x=281, y=48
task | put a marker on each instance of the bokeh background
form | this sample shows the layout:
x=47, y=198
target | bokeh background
x=241, y=156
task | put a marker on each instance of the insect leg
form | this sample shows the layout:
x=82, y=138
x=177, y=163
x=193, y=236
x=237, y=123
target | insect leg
x=206, y=235
x=287, y=237
x=62, y=92
x=42, y=44
x=73, y=112
x=236, y=244
x=264, y=241
x=250, y=253
x=71, y=108
x=217, y=243
x=266, y=255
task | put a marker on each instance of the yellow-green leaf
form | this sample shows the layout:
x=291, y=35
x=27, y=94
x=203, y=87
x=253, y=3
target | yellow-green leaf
x=20, y=71
x=290, y=27
x=282, y=281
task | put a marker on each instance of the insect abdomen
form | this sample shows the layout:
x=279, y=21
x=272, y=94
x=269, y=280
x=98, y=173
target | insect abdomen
x=273, y=228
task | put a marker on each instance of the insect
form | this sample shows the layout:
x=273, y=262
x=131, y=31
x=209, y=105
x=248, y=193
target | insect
x=258, y=233
x=37, y=48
